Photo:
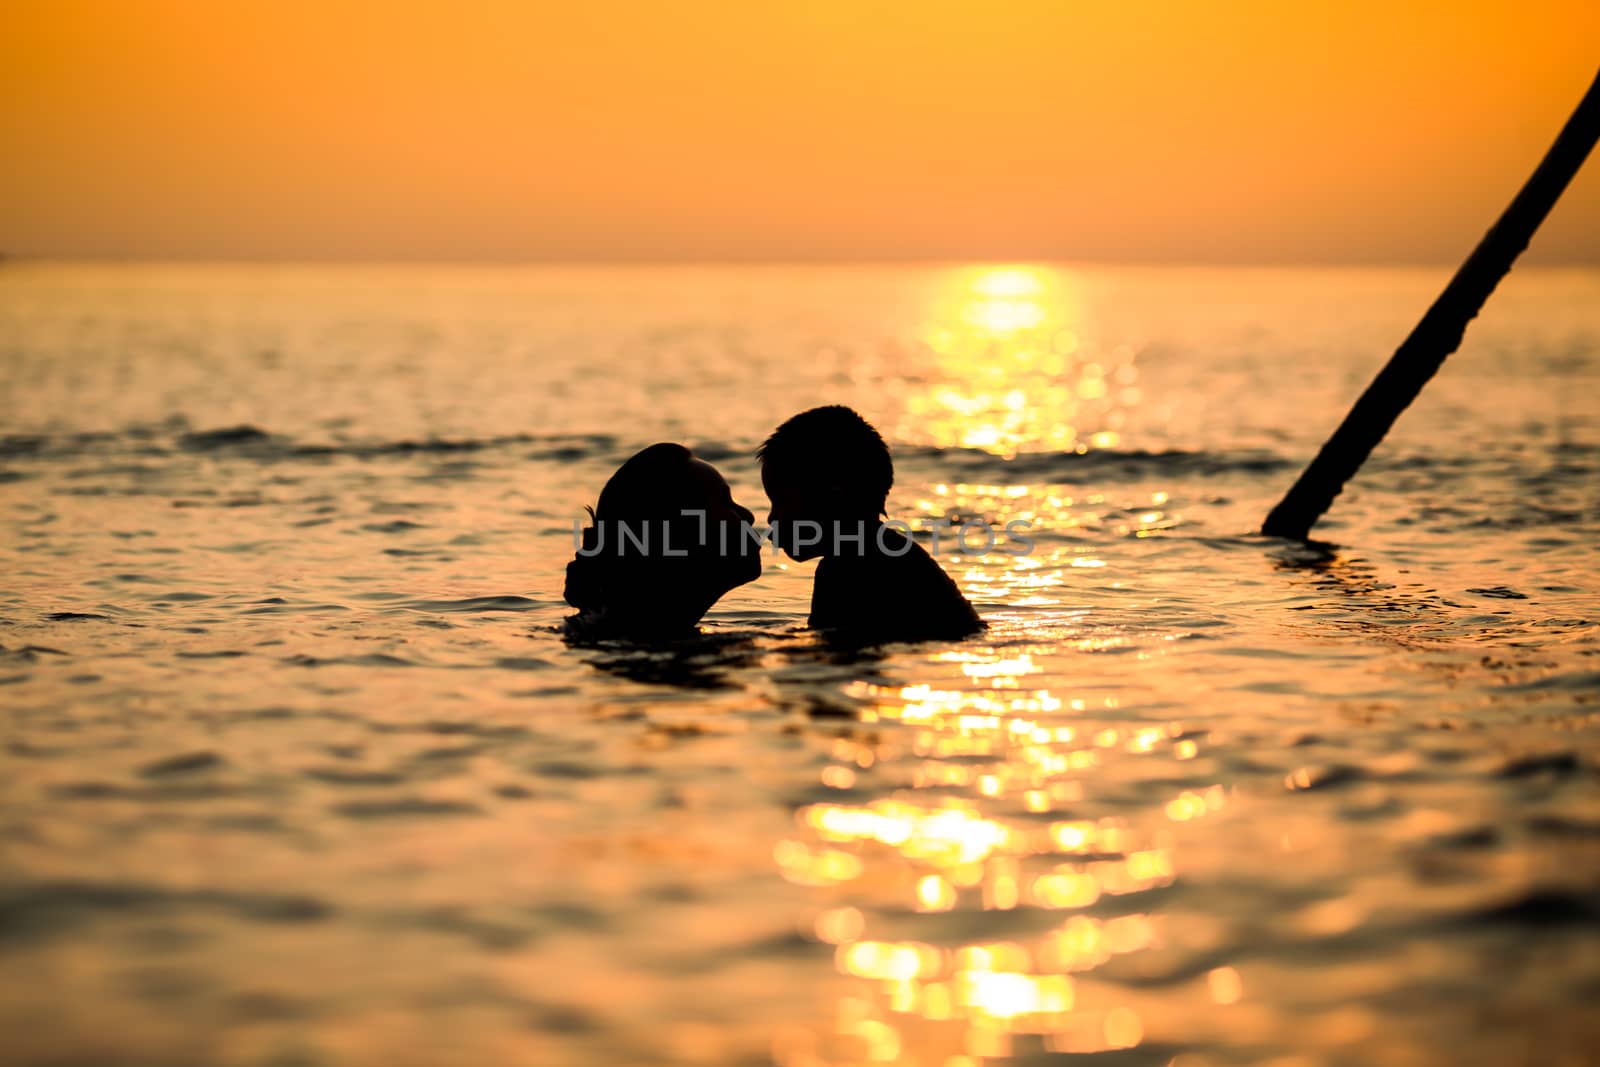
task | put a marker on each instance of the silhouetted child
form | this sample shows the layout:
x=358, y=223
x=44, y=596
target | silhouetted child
x=828, y=473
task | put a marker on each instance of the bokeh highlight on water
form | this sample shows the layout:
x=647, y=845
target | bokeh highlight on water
x=298, y=769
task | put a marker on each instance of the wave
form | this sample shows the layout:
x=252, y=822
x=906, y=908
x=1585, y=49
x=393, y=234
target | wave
x=1107, y=464
x=252, y=442
x=1559, y=464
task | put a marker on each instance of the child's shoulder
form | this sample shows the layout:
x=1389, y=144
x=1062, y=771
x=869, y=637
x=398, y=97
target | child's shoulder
x=913, y=560
x=902, y=594
x=907, y=555
x=919, y=567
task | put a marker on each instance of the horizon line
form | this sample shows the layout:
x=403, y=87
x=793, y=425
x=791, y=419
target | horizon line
x=22, y=259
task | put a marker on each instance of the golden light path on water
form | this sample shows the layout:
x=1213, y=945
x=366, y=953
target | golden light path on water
x=930, y=848
x=1014, y=370
x=985, y=821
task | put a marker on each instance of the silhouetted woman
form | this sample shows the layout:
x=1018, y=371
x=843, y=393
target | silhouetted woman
x=667, y=541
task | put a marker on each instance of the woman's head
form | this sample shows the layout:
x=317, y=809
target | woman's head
x=667, y=540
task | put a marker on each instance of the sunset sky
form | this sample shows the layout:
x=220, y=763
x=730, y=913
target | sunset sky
x=1133, y=130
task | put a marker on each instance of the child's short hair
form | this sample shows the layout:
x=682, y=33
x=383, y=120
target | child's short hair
x=833, y=447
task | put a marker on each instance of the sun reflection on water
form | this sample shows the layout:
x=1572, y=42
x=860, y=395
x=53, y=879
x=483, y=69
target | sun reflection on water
x=985, y=818
x=1015, y=368
x=972, y=888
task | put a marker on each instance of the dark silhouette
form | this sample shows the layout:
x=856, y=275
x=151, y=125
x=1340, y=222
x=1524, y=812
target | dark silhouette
x=1440, y=331
x=828, y=474
x=666, y=542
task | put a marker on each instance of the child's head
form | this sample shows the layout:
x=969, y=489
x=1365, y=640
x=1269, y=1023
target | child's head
x=825, y=466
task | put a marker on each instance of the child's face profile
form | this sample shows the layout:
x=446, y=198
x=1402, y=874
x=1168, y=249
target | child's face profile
x=796, y=501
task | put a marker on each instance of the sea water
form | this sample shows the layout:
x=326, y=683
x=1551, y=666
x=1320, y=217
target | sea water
x=296, y=767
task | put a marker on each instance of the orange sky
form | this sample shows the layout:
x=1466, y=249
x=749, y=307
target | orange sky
x=1148, y=130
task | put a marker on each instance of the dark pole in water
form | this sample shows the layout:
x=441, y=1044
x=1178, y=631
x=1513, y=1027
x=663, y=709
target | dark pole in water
x=1440, y=331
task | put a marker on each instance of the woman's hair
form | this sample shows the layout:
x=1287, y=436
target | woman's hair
x=650, y=488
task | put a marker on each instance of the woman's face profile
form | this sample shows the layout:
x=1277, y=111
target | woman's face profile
x=733, y=556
